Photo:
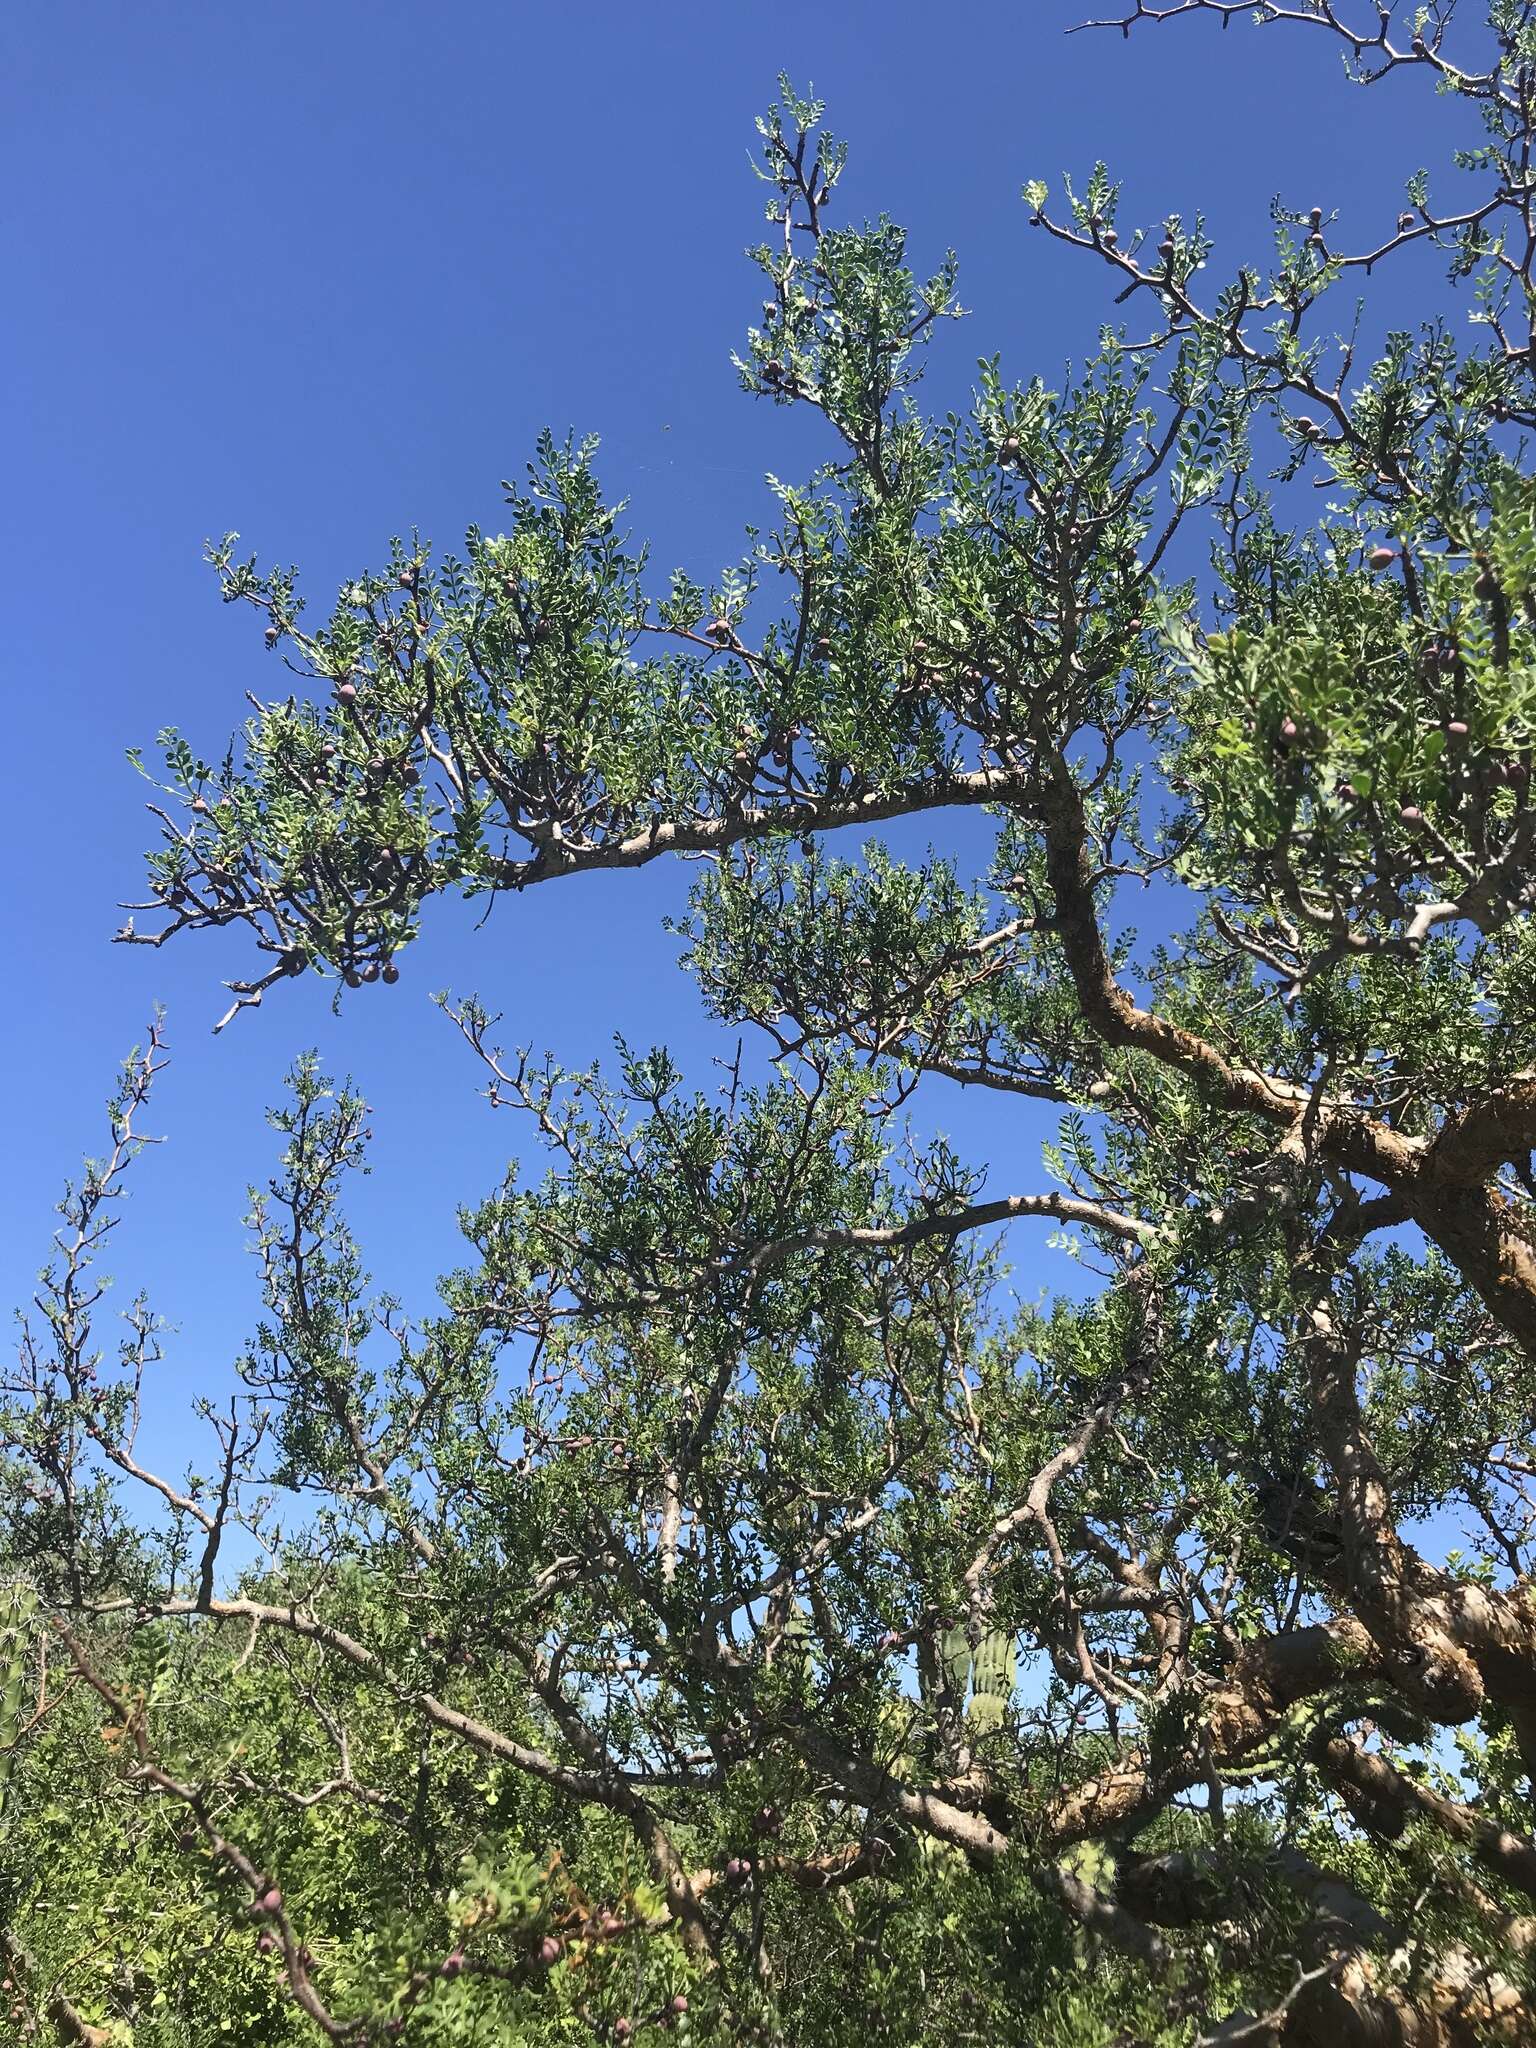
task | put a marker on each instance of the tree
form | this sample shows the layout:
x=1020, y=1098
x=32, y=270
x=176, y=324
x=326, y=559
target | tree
x=799, y=1643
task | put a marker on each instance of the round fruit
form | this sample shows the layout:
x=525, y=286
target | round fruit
x=272, y=636
x=391, y=972
x=1382, y=557
x=347, y=692
x=271, y=1900
x=1411, y=814
x=452, y=1963
x=550, y=1951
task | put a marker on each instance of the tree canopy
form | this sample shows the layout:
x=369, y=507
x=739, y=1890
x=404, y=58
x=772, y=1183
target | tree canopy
x=728, y=1614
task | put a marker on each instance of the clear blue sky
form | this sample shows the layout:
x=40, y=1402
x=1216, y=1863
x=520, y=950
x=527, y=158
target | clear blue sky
x=320, y=272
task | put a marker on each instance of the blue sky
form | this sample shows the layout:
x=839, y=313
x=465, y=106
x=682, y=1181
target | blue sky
x=321, y=273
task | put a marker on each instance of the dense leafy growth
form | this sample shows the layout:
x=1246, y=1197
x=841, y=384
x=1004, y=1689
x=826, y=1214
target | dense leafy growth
x=728, y=1616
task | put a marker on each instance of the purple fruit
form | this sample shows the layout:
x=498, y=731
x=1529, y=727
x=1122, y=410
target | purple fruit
x=1457, y=728
x=451, y=1964
x=550, y=1951
x=272, y=635
x=1382, y=557
x=265, y=1945
x=622, y=2029
x=271, y=1900
x=347, y=692
x=1411, y=814
x=1288, y=728
x=679, y=2003
x=391, y=972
